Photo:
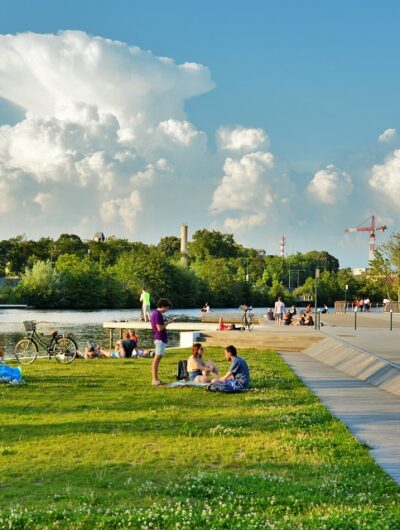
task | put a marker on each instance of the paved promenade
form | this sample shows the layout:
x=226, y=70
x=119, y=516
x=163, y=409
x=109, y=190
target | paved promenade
x=371, y=414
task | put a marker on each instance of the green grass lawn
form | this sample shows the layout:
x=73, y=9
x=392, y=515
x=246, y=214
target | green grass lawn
x=94, y=445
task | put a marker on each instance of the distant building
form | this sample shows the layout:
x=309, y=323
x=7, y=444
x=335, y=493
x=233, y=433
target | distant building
x=99, y=236
x=359, y=271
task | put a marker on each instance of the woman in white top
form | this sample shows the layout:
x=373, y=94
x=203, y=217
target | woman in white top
x=199, y=370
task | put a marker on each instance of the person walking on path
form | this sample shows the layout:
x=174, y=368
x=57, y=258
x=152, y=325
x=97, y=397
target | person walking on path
x=280, y=309
x=145, y=299
x=160, y=336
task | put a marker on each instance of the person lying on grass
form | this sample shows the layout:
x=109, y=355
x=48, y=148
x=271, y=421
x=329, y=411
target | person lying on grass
x=237, y=378
x=124, y=347
x=138, y=352
x=199, y=370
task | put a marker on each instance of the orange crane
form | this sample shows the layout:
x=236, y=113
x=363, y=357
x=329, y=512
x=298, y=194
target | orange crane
x=372, y=228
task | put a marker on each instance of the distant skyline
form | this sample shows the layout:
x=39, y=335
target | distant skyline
x=258, y=119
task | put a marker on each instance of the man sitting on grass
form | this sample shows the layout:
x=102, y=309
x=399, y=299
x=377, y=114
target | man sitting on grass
x=237, y=378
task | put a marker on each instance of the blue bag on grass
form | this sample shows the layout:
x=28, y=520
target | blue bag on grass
x=9, y=374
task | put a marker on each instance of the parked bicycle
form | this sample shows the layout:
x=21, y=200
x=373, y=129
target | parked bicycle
x=61, y=346
x=247, y=318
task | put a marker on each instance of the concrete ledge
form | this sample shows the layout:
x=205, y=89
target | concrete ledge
x=188, y=338
x=278, y=339
x=357, y=363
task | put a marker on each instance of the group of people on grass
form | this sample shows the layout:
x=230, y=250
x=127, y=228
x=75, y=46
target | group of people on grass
x=236, y=379
x=289, y=317
x=127, y=347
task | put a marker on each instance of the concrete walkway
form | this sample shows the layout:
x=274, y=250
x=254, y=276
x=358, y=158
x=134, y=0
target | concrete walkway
x=371, y=414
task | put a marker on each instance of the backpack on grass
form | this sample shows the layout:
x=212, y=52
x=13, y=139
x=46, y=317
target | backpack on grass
x=182, y=371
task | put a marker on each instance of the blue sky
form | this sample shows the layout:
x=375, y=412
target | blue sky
x=320, y=79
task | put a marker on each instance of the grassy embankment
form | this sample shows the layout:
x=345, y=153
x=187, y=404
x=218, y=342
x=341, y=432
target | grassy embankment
x=93, y=445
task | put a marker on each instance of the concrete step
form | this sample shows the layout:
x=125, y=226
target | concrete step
x=357, y=363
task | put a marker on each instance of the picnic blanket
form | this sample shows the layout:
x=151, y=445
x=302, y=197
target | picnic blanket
x=180, y=384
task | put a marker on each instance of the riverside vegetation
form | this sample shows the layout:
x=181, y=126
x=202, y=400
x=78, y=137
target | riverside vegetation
x=93, y=445
x=72, y=274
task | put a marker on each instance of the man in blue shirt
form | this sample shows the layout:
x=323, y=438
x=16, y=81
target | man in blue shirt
x=237, y=378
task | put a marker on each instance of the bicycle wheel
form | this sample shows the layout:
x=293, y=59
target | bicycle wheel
x=250, y=323
x=243, y=323
x=26, y=351
x=64, y=350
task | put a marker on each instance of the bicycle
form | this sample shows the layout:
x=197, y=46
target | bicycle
x=61, y=346
x=247, y=318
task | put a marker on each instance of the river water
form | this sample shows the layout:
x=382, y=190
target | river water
x=84, y=325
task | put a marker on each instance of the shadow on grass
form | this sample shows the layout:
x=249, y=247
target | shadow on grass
x=156, y=424
x=125, y=485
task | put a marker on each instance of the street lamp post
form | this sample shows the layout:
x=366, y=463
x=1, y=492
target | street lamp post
x=316, y=293
x=345, y=298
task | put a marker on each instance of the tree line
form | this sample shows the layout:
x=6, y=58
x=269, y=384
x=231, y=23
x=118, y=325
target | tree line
x=74, y=274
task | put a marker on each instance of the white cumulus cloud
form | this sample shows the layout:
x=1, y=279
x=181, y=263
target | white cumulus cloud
x=247, y=222
x=125, y=209
x=386, y=177
x=240, y=186
x=330, y=185
x=104, y=126
x=132, y=84
x=241, y=139
x=181, y=132
x=387, y=136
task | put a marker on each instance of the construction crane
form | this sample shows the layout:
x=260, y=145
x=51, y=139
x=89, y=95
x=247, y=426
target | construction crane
x=372, y=228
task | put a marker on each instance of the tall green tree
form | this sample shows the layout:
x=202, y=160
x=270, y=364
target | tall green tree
x=221, y=287
x=170, y=246
x=211, y=243
x=40, y=286
x=386, y=266
x=82, y=285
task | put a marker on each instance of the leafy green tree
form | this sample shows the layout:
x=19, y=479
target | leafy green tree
x=386, y=266
x=81, y=283
x=170, y=246
x=69, y=244
x=319, y=259
x=206, y=243
x=40, y=285
x=18, y=250
x=278, y=289
x=187, y=288
x=218, y=276
x=145, y=268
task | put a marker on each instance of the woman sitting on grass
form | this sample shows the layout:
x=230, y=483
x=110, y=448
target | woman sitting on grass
x=199, y=370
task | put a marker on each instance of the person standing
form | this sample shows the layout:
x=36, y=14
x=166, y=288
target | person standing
x=145, y=299
x=280, y=309
x=160, y=336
